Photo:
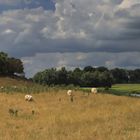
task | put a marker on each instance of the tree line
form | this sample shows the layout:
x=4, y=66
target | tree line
x=10, y=65
x=87, y=77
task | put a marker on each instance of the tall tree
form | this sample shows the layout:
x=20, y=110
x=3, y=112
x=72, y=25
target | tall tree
x=3, y=63
x=10, y=66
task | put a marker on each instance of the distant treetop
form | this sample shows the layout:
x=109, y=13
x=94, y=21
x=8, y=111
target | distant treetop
x=10, y=65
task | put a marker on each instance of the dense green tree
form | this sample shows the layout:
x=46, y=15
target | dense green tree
x=14, y=66
x=76, y=74
x=101, y=69
x=10, y=66
x=88, y=77
x=119, y=75
x=134, y=76
x=62, y=76
x=3, y=63
x=106, y=79
x=89, y=69
x=49, y=77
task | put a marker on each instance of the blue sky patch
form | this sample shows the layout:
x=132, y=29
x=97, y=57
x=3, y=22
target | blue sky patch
x=46, y=4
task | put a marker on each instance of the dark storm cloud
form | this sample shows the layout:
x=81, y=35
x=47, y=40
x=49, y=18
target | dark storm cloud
x=134, y=23
x=67, y=29
x=91, y=26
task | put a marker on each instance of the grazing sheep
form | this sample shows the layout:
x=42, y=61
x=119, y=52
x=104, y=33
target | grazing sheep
x=94, y=90
x=69, y=93
x=1, y=87
x=28, y=98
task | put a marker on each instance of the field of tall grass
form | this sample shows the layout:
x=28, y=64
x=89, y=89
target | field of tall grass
x=11, y=85
x=52, y=115
x=93, y=117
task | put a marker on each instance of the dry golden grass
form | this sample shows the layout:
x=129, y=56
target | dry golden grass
x=94, y=117
x=7, y=81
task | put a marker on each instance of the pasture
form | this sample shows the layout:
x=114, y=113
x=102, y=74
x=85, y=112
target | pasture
x=119, y=89
x=127, y=87
x=124, y=89
x=55, y=117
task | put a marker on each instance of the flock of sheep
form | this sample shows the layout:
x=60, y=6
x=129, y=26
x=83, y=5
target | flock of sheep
x=69, y=93
x=93, y=90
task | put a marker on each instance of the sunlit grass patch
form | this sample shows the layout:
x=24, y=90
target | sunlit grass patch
x=100, y=116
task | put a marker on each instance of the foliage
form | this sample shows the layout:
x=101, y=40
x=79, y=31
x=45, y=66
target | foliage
x=10, y=65
x=87, y=77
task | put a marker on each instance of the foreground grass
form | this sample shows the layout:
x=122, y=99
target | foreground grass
x=94, y=117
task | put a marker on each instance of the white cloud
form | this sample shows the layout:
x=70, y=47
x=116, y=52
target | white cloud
x=7, y=31
x=85, y=26
x=81, y=56
x=128, y=3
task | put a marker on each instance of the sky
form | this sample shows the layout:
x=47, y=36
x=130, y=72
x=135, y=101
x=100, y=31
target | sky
x=71, y=33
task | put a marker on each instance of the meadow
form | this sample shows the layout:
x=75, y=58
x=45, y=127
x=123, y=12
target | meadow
x=55, y=117
x=118, y=89
x=124, y=89
x=127, y=87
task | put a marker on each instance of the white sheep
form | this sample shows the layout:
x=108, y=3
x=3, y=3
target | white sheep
x=28, y=98
x=2, y=87
x=69, y=93
x=94, y=90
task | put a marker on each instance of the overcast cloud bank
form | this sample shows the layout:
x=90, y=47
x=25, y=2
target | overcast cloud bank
x=102, y=32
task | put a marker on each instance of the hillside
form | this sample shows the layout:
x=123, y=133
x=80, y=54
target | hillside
x=20, y=85
x=12, y=81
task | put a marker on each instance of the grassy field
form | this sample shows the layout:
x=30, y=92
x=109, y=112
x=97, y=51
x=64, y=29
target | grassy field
x=127, y=87
x=93, y=117
x=119, y=89
x=14, y=85
x=52, y=115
